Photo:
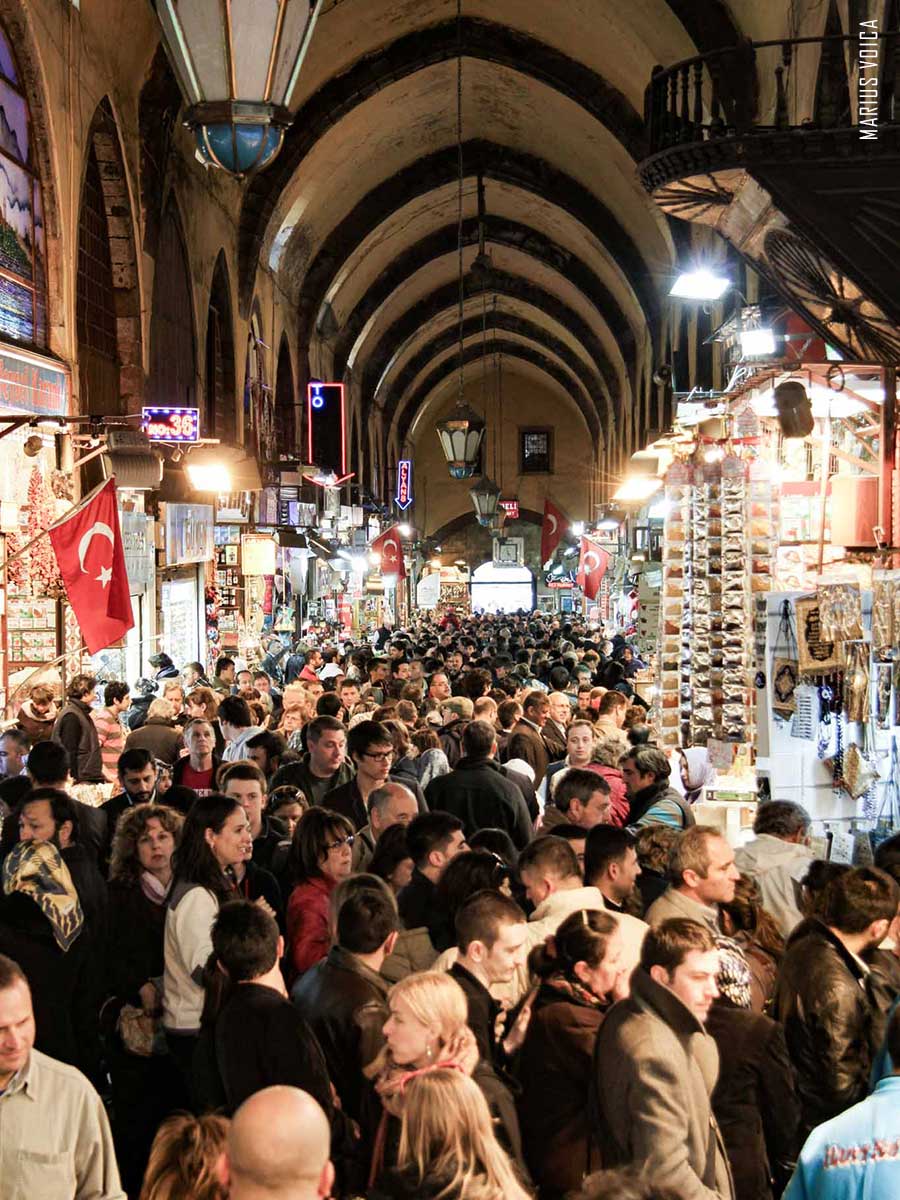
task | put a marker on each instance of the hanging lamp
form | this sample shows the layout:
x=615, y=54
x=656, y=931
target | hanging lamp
x=462, y=432
x=237, y=64
x=486, y=500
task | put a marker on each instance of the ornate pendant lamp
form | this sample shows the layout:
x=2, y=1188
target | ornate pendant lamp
x=237, y=63
x=462, y=432
x=486, y=500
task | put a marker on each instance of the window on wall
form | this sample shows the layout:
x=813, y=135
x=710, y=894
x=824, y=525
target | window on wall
x=23, y=253
x=535, y=451
x=95, y=312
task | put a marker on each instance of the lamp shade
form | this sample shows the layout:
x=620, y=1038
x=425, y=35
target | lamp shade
x=486, y=499
x=237, y=65
x=460, y=435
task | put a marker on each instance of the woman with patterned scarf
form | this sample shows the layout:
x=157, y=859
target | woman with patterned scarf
x=42, y=928
x=581, y=973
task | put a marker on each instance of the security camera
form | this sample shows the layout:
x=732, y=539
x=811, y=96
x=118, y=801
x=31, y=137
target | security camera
x=662, y=376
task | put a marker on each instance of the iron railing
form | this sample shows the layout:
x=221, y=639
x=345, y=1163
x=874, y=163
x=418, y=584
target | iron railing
x=796, y=83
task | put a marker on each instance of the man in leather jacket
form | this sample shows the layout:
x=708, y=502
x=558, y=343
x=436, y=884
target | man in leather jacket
x=825, y=997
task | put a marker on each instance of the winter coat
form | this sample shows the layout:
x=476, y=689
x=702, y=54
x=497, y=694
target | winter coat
x=525, y=742
x=673, y=903
x=308, y=936
x=430, y=764
x=347, y=800
x=451, y=740
x=659, y=804
x=755, y=1099
x=76, y=733
x=777, y=866
x=299, y=775
x=477, y=792
x=824, y=1000
x=554, y=739
x=654, y=1071
x=554, y=1069
x=618, y=797
x=418, y=906
x=345, y=1004
x=39, y=729
x=853, y=1155
x=160, y=737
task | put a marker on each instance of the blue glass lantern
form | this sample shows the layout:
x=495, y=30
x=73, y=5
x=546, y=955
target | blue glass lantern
x=238, y=64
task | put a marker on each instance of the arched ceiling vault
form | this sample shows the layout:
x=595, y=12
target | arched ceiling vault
x=436, y=383
x=498, y=231
x=506, y=334
x=421, y=314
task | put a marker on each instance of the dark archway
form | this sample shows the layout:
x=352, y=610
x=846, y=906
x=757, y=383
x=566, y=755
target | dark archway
x=287, y=426
x=220, y=394
x=173, y=367
x=108, y=303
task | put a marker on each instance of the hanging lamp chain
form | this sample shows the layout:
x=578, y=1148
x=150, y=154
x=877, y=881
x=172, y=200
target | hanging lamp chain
x=459, y=156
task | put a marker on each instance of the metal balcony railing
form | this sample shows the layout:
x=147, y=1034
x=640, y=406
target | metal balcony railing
x=796, y=83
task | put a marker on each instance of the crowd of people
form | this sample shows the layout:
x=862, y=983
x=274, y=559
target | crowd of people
x=426, y=918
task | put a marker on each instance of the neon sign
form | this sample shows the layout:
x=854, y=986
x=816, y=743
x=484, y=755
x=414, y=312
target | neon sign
x=404, y=497
x=327, y=426
x=171, y=424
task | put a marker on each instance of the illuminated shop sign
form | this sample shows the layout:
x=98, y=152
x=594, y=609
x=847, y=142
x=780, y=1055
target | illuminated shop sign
x=404, y=497
x=171, y=424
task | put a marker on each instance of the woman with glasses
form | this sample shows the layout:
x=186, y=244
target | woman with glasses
x=321, y=856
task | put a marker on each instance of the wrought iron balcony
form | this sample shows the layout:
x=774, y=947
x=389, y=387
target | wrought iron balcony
x=760, y=101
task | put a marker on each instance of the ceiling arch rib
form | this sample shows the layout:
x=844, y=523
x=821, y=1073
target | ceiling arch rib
x=447, y=323
x=502, y=283
x=498, y=231
x=497, y=321
x=525, y=171
x=510, y=350
x=482, y=40
x=507, y=263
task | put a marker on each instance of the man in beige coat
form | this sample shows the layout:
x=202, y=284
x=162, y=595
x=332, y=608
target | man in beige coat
x=655, y=1067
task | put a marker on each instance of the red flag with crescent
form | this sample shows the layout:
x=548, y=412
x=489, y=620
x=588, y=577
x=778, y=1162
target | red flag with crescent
x=390, y=546
x=555, y=525
x=91, y=556
x=592, y=564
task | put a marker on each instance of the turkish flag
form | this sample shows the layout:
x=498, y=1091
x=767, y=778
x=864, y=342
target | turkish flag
x=592, y=564
x=91, y=556
x=555, y=525
x=390, y=546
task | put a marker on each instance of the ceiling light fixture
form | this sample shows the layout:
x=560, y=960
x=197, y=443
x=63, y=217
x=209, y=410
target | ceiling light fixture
x=700, y=284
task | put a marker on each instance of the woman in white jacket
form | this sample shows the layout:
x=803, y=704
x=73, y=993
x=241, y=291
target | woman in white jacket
x=215, y=838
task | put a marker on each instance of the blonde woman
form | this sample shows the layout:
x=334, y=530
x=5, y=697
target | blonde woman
x=187, y=1161
x=428, y=1027
x=448, y=1149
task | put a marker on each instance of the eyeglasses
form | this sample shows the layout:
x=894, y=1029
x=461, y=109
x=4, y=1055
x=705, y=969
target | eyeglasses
x=382, y=756
x=345, y=841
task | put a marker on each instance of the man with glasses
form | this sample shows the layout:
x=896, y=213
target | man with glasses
x=371, y=751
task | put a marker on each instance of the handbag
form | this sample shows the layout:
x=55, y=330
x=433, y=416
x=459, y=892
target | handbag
x=786, y=668
x=139, y=1031
x=859, y=773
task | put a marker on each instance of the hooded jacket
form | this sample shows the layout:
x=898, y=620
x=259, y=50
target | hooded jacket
x=777, y=866
x=655, y=1067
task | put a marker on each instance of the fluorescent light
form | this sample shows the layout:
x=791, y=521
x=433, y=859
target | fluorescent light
x=825, y=403
x=404, y=530
x=756, y=343
x=578, y=528
x=208, y=477
x=637, y=488
x=702, y=284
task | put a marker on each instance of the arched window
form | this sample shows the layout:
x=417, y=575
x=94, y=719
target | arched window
x=172, y=368
x=23, y=250
x=259, y=408
x=285, y=409
x=220, y=406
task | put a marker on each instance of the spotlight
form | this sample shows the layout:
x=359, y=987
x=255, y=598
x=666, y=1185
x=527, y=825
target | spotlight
x=701, y=284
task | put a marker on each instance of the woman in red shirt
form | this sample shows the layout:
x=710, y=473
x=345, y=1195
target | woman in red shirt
x=321, y=856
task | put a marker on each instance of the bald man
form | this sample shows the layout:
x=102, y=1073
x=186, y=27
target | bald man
x=278, y=1148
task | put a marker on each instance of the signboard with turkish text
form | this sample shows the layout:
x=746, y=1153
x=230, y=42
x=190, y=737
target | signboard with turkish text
x=404, y=497
x=511, y=508
x=30, y=383
x=171, y=424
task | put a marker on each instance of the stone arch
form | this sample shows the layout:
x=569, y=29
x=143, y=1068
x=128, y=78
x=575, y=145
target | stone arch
x=107, y=290
x=258, y=399
x=172, y=377
x=220, y=382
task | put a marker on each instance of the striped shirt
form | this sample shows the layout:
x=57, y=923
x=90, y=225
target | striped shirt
x=112, y=741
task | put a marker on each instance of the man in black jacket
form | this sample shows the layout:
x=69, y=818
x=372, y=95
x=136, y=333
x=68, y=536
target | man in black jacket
x=433, y=839
x=75, y=731
x=477, y=791
x=824, y=995
x=344, y=998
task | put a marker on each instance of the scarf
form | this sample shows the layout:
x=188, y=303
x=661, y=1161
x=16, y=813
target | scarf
x=576, y=992
x=153, y=889
x=36, y=869
x=700, y=773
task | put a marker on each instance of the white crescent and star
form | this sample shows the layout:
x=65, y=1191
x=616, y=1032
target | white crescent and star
x=551, y=517
x=395, y=549
x=591, y=554
x=98, y=529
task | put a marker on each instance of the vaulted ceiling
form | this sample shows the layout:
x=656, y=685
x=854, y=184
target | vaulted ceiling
x=361, y=207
